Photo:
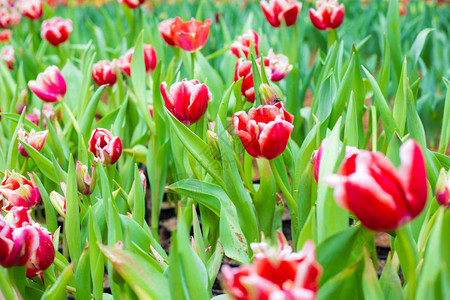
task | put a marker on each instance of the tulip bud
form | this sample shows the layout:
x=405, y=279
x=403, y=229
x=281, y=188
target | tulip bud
x=56, y=30
x=34, y=139
x=143, y=181
x=50, y=86
x=7, y=55
x=132, y=3
x=31, y=9
x=276, y=11
x=443, y=189
x=22, y=102
x=268, y=96
x=213, y=143
x=18, y=191
x=105, y=147
x=327, y=15
x=5, y=36
x=85, y=183
x=59, y=203
x=44, y=255
x=104, y=73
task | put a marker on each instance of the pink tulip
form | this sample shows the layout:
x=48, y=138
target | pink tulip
x=56, y=30
x=277, y=10
x=35, y=117
x=85, y=183
x=105, y=147
x=104, y=73
x=132, y=3
x=42, y=258
x=9, y=17
x=34, y=139
x=31, y=9
x=150, y=60
x=327, y=15
x=264, y=131
x=244, y=69
x=243, y=44
x=49, y=86
x=7, y=55
x=16, y=190
x=187, y=100
x=443, y=189
x=279, y=65
x=369, y=186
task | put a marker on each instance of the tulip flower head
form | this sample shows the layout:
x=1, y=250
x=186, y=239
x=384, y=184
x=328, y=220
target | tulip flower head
x=150, y=60
x=244, y=69
x=49, y=86
x=132, y=3
x=276, y=273
x=47, y=109
x=243, y=44
x=279, y=65
x=16, y=190
x=31, y=9
x=380, y=196
x=34, y=139
x=104, y=73
x=7, y=55
x=105, y=147
x=9, y=16
x=443, y=189
x=329, y=14
x=276, y=11
x=189, y=36
x=164, y=30
x=264, y=131
x=85, y=183
x=268, y=95
x=5, y=36
x=187, y=100
x=56, y=30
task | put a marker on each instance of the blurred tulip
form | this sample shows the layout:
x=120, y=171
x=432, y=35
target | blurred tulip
x=443, y=189
x=150, y=60
x=264, y=131
x=85, y=183
x=5, y=36
x=279, y=65
x=244, y=69
x=22, y=102
x=327, y=15
x=164, y=30
x=243, y=44
x=105, y=147
x=132, y=3
x=34, y=139
x=50, y=86
x=187, y=100
x=35, y=117
x=9, y=17
x=380, y=196
x=56, y=30
x=104, y=73
x=32, y=9
x=16, y=190
x=189, y=36
x=268, y=96
x=150, y=110
x=7, y=55
x=277, y=10
x=143, y=180
x=276, y=273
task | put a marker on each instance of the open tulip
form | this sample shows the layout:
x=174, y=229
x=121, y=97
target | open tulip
x=56, y=30
x=187, y=100
x=443, y=189
x=42, y=258
x=104, y=73
x=16, y=190
x=5, y=36
x=327, y=15
x=279, y=65
x=164, y=30
x=243, y=44
x=276, y=273
x=244, y=69
x=190, y=35
x=7, y=55
x=380, y=196
x=31, y=9
x=264, y=131
x=34, y=139
x=276, y=11
x=105, y=147
x=85, y=183
x=132, y=3
x=49, y=86
x=150, y=60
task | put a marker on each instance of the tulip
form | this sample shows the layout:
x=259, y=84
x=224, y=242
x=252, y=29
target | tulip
x=9, y=17
x=105, y=147
x=7, y=55
x=104, y=73
x=164, y=30
x=243, y=44
x=22, y=101
x=31, y=9
x=244, y=69
x=268, y=96
x=34, y=139
x=85, y=183
x=264, y=131
x=187, y=100
x=5, y=36
x=443, y=189
x=42, y=258
x=275, y=273
x=59, y=202
x=329, y=14
x=277, y=10
x=132, y=3
x=35, y=117
x=279, y=65
x=190, y=35
x=150, y=60
x=150, y=109
x=380, y=196
x=16, y=190
x=49, y=86
x=56, y=30
x=143, y=180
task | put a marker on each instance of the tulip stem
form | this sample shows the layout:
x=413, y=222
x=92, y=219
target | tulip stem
x=193, y=54
x=332, y=37
x=24, y=166
x=71, y=116
x=373, y=111
x=287, y=195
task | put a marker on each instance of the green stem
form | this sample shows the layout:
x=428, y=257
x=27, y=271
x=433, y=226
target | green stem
x=332, y=37
x=193, y=54
x=287, y=195
x=373, y=111
x=24, y=166
x=71, y=116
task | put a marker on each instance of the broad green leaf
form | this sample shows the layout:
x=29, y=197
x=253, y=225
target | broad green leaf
x=371, y=285
x=400, y=101
x=445, y=131
x=72, y=228
x=390, y=281
x=88, y=117
x=57, y=290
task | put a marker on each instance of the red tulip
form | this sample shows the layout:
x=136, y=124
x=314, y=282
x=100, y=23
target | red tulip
x=277, y=10
x=9, y=17
x=49, y=86
x=34, y=139
x=132, y=3
x=150, y=60
x=7, y=55
x=443, y=189
x=31, y=9
x=106, y=147
x=264, y=131
x=104, y=73
x=85, y=183
x=275, y=274
x=189, y=36
x=244, y=69
x=5, y=36
x=279, y=65
x=329, y=14
x=243, y=43
x=380, y=196
x=43, y=257
x=16, y=190
x=187, y=100
x=56, y=30
x=164, y=30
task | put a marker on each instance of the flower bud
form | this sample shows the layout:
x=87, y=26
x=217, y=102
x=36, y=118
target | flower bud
x=443, y=189
x=22, y=102
x=58, y=202
x=105, y=147
x=85, y=183
x=34, y=139
x=327, y=15
x=104, y=73
x=56, y=30
x=213, y=143
x=268, y=96
x=150, y=60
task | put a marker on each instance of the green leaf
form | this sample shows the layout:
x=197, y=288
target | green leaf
x=89, y=114
x=57, y=290
x=82, y=276
x=445, y=131
x=383, y=79
x=13, y=151
x=371, y=285
x=351, y=123
x=400, y=101
x=419, y=43
x=139, y=198
x=72, y=228
x=393, y=34
x=390, y=282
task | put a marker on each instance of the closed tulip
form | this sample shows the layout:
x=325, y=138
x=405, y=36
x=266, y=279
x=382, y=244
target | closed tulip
x=16, y=190
x=189, y=36
x=150, y=60
x=264, y=131
x=243, y=44
x=104, y=73
x=279, y=65
x=442, y=190
x=49, y=86
x=7, y=55
x=381, y=197
x=187, y=100
x=34, y=139
x=32, y=9
x=56, y=30
x=329, y=14
x=244, y=69
x=132, y=3
x=105, y=147
x=276, y=11
x=85, y=182
x=42, y=258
